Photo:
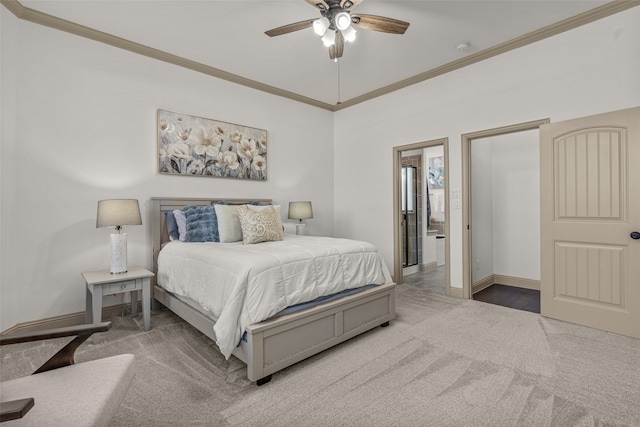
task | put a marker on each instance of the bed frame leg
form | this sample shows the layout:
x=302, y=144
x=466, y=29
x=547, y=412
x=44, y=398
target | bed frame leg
x=156, y=305
x=263, y=381
x=384, y=325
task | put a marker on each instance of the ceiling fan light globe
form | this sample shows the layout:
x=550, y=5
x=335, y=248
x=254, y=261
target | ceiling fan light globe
x=349, y=34
x=329, y=38
x=320, y=25
x=342, y=20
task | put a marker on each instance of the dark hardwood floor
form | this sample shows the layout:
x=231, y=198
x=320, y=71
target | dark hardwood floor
x=510, y=296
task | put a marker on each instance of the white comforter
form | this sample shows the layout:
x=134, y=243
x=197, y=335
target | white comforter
x=245, y=284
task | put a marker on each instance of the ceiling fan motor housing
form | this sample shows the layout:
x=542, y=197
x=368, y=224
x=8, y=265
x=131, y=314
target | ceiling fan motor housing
x=335, y=14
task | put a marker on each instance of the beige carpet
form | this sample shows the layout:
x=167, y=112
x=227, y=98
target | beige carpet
x=442, y=362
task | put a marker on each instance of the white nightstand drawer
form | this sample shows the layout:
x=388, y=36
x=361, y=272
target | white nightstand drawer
x=114, y=288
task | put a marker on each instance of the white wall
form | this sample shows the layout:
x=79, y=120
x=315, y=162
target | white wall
x=516, y=205
x=505, y=197
x=482, y=208
x=588, y=70
x=79, y=125
x=8, y=101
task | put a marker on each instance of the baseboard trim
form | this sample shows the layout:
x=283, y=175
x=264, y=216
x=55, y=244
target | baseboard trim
x=456, y=292
x=66, y=320
x=430, y=266
x=410, y=270
x=483, y=283
x=110, y=312
x=518, y=282
x=501, y=279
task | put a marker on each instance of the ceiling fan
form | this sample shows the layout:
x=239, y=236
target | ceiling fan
x=337, y=24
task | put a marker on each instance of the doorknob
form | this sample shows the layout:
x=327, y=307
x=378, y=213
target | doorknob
x=635, y=235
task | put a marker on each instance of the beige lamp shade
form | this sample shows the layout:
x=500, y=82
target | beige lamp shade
x=118, y=212
x=300, y=210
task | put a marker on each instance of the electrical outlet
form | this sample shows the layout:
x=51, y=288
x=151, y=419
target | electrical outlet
x=477, y=264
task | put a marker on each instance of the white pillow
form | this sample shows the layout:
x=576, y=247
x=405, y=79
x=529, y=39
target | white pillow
x=258, y=208
x=228, y=223
x=181, y=221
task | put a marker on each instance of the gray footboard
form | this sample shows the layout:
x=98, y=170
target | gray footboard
x=275, y=344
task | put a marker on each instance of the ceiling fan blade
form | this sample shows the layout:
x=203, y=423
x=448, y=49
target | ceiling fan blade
x=320, y=4
x=290, y=28
x=337, y=48
x=380, y=23
x=348, y=4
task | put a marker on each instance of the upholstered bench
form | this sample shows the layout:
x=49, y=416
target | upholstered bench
x=64, y=393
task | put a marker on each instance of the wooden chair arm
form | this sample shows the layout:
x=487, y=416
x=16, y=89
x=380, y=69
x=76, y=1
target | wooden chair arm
x=64, y=357
x=54, y=333
x=15, y=409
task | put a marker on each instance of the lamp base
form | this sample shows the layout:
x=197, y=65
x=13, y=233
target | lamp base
x=118, y=246
x=300, y=228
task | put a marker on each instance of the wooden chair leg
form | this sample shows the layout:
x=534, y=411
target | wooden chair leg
x=64, y=357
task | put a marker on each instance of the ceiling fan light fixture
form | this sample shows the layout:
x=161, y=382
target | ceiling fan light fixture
x=321, y=25
x=342, y=20
x=349, y=34
x=329, y=38
x=336, y=25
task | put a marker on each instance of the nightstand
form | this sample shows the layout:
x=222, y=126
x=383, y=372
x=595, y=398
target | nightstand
x=102, y=282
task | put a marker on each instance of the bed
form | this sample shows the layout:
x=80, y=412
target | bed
x=285, y=338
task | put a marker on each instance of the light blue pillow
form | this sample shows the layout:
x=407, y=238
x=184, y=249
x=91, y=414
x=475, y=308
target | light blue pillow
x=201, y=224
x=181, y=222
x=172, y=226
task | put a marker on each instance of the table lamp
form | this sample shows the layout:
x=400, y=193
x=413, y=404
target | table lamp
x=300, y=211
x=116, y=213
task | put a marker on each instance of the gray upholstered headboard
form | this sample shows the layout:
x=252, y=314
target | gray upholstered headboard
x=160, y=205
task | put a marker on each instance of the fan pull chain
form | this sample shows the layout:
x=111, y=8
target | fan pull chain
x=338, y=80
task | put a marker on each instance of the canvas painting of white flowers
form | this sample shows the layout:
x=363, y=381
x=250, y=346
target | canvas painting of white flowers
x=195, y=146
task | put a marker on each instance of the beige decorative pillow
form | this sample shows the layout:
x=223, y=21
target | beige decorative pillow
x=260, y=226
x=258, y=208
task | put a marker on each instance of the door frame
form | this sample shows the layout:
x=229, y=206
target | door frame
x=467, y=139
x=397, y=206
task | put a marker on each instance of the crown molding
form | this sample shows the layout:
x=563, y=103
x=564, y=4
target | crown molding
x=524, y=40
x=60, y=24
x=36, y=17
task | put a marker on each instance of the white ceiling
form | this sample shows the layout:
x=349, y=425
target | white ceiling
x=229, y=35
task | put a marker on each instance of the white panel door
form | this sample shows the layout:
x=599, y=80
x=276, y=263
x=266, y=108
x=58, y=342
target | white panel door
x=590, y=214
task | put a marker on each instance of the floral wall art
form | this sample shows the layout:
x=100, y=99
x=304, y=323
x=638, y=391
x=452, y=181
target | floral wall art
x=436, y=172
x=195, y=146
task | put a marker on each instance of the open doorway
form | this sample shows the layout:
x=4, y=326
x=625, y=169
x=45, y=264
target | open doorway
x=421, y=248
x=501, y=239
